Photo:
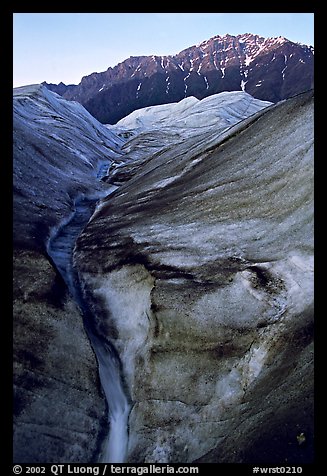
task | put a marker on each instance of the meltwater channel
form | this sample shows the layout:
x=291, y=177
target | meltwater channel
x=60, y=249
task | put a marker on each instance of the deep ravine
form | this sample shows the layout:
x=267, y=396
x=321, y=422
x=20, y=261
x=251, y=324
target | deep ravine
x=60, y=250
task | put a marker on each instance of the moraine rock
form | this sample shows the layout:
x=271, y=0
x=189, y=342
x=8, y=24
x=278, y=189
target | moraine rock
x=59, y=410
x=200, y=271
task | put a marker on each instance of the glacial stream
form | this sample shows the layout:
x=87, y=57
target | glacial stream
x=60, y=249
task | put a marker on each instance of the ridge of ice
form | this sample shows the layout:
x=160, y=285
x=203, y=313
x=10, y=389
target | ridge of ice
x=218, y=110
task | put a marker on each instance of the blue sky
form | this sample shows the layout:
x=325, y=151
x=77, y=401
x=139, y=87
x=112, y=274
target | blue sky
x=56, y=47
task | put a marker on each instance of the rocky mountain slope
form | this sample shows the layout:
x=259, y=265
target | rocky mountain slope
x=195, y=270
x=270, y=69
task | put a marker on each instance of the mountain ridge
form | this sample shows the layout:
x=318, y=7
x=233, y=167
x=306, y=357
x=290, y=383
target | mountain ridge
x=269, y=69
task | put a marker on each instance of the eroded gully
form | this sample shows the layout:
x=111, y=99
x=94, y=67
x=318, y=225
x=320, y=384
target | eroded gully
x=60, y=249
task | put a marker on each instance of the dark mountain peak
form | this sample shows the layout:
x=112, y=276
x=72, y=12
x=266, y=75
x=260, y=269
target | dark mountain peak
x=271, y=69
x=60, y=88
